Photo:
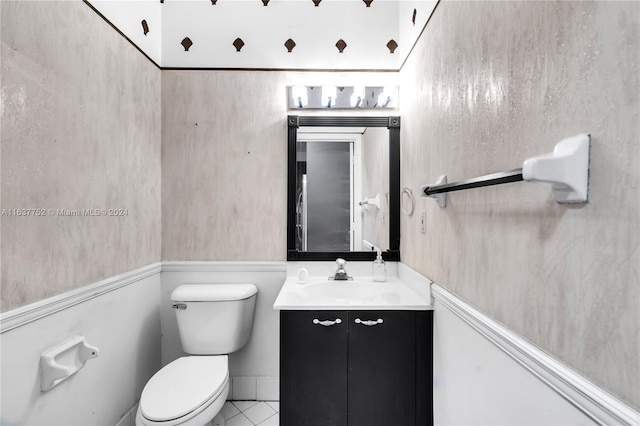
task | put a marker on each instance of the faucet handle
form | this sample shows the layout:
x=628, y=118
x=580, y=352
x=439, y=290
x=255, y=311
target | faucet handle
x=341, y=262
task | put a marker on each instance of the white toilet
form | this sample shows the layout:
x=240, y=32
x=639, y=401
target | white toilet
x=213, y=320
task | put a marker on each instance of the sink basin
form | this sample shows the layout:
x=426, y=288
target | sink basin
x=362, y=293
x=343, y=290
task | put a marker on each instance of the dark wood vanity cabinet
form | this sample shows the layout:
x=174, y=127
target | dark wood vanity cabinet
x=356, y=368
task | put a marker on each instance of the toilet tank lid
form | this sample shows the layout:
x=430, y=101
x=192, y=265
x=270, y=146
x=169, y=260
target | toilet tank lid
x=212, y=292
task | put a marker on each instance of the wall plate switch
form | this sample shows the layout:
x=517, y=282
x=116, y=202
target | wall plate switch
x=423, y=222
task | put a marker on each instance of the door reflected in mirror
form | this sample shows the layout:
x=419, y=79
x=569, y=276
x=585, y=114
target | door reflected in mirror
x=342, y=189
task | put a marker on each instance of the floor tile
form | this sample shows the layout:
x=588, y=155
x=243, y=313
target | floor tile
x=259, y=412
x=244, y=405
x=239, y=420
x=271, y=421
x=229, y=410
x=275, y=405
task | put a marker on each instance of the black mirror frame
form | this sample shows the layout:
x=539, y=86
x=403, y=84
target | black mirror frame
x=393, y=124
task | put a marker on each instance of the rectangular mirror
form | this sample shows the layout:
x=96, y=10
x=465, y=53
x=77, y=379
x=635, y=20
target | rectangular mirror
x=344, y=187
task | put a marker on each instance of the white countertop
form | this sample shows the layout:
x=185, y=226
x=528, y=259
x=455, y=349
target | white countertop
x=317, y=293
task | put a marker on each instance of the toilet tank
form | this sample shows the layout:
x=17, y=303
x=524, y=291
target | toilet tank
x=214, y=319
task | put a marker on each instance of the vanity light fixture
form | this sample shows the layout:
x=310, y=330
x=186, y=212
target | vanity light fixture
x=357, y=96
x=300, y=96
x=386, y=97
x=329, y=96
x=342, y=97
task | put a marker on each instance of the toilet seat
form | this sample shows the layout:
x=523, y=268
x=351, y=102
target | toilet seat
x=183, y=388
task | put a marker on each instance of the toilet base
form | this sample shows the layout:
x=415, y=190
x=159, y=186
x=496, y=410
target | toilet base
x=218, y=420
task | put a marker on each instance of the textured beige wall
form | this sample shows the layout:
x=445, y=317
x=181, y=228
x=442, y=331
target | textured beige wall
x=375, y=180
x=489, y=85
x=80, y=129
x=224, y=161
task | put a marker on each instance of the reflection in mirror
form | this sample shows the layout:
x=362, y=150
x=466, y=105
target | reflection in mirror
x=375, y=184
x=344, y=180
x=342, y=189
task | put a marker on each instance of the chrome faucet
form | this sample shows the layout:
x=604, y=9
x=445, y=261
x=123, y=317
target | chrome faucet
x=341, y=273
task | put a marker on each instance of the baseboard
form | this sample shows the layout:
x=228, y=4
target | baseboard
x=129, y=419
x=34, y=311
x=254, y=388
x=602, y=407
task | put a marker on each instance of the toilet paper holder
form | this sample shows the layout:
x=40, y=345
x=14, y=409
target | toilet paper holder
x=62, y=361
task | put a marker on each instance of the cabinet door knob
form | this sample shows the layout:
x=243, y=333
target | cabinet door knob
x=327, y=323
x=369, y=322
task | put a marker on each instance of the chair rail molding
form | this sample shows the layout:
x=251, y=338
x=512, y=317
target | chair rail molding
x=43, y=308
x=599, y=405
x=34, y=311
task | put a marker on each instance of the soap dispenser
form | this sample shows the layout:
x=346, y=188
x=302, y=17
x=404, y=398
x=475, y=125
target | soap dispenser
x=379, y=268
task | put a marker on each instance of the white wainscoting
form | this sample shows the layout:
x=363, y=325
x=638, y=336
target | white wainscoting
x=255, y=368
x=484, y=374
x=120, y=316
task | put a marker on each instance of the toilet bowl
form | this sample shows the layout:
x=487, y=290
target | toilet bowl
x=213, y=320
x=189, y=391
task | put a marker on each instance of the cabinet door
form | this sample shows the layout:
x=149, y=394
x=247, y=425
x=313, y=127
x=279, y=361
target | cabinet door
x=424, y=368
x=313, y=368
x=382, y=358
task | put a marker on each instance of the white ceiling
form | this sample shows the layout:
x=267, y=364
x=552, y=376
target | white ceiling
x=213, y=28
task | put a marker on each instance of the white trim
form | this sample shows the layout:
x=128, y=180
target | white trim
x=34, y=311
x=602, y=407
x=129, y=419
x=223, y=266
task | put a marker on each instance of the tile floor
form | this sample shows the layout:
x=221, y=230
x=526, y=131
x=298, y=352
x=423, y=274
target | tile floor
x=251, y=413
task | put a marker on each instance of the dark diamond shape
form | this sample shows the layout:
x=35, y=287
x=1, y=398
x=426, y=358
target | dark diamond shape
x=316, y=2
x=368, y=2
x=265, y=2
x=186, y=43
x=341, y=45
x=392, y=45
x=145, y=27
x=238, y=43
x=289, y=44
x=213, y=2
